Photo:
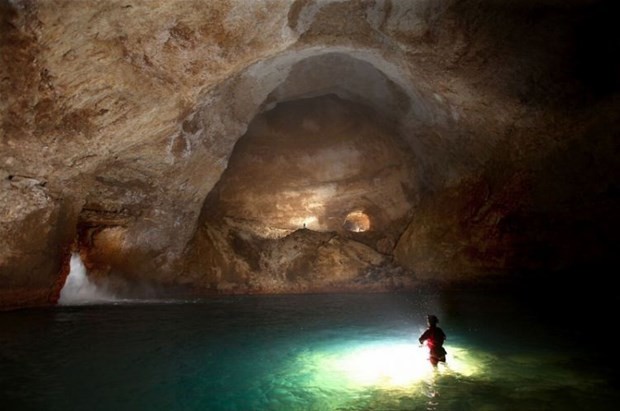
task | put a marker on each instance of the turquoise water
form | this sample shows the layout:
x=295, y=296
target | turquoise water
x=314, y=352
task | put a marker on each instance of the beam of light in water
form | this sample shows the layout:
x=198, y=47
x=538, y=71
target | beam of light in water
x=383, y=365
x=78, y=289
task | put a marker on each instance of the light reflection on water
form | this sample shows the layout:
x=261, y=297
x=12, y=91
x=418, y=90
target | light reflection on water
x=347, y=352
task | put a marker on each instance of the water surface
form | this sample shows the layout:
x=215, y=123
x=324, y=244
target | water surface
x=313, y=352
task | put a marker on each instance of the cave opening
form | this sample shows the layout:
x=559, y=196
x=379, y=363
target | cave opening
x=292, y=180
x=309, y=162
x=357, y=222
x=327, y=141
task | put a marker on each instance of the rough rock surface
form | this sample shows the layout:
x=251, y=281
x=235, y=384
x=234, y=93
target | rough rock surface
x=118, y=119
x=276, y=220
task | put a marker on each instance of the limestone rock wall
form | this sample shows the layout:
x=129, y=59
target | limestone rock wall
x=227, y=260
x=37, y=229
x=119, y=118
x=300, y=170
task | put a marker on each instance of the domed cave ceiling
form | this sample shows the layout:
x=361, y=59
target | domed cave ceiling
x=305, y=146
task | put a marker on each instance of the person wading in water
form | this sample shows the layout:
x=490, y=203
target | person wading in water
x=434, y=337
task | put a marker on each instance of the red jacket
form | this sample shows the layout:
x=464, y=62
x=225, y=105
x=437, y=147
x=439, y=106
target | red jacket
x=435, y=337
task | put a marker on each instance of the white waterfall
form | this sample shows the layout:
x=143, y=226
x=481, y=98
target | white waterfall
x=78, y=289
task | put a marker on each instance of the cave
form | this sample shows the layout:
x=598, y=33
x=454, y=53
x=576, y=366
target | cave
x=426, y=155
x=277, y=219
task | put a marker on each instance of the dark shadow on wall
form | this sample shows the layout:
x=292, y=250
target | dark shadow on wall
x=544, y=53
x=597, y=49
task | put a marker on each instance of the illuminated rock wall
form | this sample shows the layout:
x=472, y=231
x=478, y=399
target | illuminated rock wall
x=119, y=119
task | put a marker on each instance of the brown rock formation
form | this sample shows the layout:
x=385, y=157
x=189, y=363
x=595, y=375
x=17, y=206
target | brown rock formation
x=300, y=170
x=479, y=137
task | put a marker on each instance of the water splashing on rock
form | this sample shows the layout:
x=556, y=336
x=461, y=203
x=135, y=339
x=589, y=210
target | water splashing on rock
x=78, y=289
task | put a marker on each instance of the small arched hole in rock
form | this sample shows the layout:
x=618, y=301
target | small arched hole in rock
x=357, y=221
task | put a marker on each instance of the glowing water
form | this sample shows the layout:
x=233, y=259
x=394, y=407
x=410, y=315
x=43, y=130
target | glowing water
x=387, y=364
x=296, y=353
x=78, y=289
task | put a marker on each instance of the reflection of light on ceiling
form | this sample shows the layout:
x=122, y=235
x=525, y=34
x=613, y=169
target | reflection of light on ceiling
x=383, y=365
x=306, y=205
x=309, y=222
